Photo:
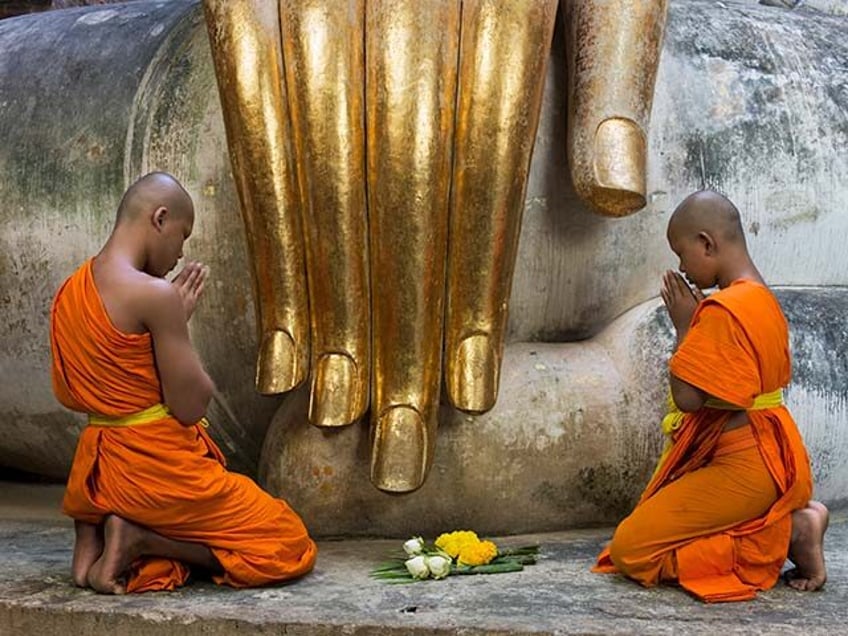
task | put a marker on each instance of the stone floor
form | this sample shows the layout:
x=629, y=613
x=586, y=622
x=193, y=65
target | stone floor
x=557, y=596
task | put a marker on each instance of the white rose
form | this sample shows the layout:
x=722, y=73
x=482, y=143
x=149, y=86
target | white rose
x=439, y=566
x=417, y=567
x=414, y=546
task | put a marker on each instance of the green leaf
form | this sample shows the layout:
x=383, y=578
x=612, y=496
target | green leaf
x=388, y=565
x=523, y=559
x=491, y=568
x=391, y=575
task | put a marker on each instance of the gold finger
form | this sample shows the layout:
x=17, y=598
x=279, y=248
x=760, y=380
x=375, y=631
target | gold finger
x=411, y=57
x=503, y=55
x=323, y=51
x=614, y=48
x=246, y=50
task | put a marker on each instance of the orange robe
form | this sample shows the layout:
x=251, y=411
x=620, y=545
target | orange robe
x=716, y=517
x=163, y=475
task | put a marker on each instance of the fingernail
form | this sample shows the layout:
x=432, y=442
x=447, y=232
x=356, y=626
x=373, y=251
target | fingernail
x=620, y=166
x=399, y=450
x=335, y=389
x=276, y=367
x=472, y=379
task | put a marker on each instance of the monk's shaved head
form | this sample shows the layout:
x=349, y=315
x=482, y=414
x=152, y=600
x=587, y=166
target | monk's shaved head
x=152, y=191
x=707, y=211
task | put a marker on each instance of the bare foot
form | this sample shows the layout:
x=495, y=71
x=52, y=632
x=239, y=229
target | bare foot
x=806, y=548
x=125, y=542
x=88, y=546
x=123, y=545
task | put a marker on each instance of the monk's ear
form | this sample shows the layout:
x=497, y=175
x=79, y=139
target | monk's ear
x=158, y=217
x=708, y=242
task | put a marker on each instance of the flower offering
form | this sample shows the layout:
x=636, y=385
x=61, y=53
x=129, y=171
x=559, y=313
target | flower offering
x=458, y=552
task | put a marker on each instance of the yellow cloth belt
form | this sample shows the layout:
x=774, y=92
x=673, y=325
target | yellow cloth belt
x=155, y=413
x=673, y=419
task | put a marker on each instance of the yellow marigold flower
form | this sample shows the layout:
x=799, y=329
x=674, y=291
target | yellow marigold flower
x=479, y=553
x=453, y=542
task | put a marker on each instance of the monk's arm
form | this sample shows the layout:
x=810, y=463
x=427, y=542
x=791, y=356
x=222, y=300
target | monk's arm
x=186, y=387
x=688, y=398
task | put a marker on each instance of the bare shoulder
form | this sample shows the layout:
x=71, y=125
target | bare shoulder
x=159, y=302
x=133, y=299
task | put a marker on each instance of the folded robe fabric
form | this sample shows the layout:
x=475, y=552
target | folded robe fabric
x=160, y=474
x=737, y=348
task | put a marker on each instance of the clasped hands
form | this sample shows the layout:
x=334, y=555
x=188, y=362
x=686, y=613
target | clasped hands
x=190, y=282
x=681, y=299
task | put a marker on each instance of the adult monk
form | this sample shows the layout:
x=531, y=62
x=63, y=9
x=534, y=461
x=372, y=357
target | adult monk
x=730, y=498
x=148, y=489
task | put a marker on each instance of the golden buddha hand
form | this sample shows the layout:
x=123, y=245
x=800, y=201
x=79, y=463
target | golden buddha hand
x=381, y=152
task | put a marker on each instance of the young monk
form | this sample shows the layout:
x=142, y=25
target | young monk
x=731, y=497
x=148, y=489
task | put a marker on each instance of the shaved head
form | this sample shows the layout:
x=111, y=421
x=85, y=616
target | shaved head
x=705, y=231
x=707, y=211
x=152, y=191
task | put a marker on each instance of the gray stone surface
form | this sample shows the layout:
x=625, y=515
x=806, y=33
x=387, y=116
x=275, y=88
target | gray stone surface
x=557, y=596
x=833, y=7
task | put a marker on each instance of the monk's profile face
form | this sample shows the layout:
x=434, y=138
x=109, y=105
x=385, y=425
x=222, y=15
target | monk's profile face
x=697, y=263
x=171, y=232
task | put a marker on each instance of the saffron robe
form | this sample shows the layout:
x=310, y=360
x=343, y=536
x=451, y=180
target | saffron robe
x=162, y=475
x=737, y=348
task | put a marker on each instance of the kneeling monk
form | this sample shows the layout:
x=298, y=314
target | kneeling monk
x=148, y=489
x=729, y=500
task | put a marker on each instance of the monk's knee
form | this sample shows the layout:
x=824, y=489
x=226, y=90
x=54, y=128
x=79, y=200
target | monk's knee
x=627, y=549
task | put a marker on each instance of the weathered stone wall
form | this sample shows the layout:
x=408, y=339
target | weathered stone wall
x=89, y=100
x=833, y=7
x=751, y=100
x=9, y=8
